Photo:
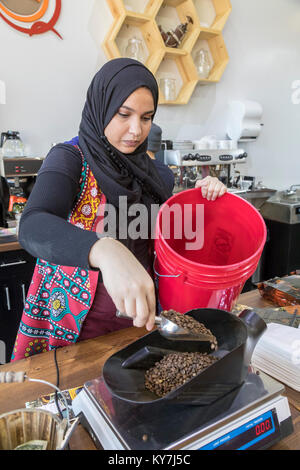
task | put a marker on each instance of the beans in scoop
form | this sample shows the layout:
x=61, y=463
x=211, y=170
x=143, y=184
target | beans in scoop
x=190, y=324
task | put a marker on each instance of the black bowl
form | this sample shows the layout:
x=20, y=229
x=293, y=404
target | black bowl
x=124, y=371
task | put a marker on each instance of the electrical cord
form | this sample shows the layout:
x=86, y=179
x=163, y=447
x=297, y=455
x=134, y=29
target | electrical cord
x=56, y=394
x=57, y=385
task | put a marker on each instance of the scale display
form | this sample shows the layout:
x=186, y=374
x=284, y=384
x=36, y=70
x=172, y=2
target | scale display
x=252, y=435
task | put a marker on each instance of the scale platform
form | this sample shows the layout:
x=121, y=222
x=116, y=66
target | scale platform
x=254, y=416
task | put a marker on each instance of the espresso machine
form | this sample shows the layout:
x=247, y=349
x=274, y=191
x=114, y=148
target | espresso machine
x=18, y=176
x=189, y=164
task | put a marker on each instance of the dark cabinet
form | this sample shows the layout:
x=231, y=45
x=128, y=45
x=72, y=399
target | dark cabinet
x=16, y=269
x=282, y=250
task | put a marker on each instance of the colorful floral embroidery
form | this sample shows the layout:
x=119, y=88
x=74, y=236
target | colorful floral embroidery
x=35, y=347
x=59, y=297
x=58, y=304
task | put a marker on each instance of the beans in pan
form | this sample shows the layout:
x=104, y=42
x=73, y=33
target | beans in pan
x=174, y=370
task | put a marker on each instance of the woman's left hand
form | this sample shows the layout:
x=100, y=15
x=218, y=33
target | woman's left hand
x=212, y=188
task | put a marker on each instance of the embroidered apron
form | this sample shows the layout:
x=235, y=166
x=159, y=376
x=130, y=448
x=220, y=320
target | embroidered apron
x=59, y=297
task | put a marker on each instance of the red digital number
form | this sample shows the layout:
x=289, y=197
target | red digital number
x=263, y=427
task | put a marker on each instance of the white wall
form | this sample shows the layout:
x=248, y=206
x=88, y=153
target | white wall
x=47, y=78
x=46, y=81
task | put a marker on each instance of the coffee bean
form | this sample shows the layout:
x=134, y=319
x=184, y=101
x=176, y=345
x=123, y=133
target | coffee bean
x=189, y=323
x=174, y=370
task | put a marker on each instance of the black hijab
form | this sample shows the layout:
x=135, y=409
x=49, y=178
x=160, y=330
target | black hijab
x=133, y=175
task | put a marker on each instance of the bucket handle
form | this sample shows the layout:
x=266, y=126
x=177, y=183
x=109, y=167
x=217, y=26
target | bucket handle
x=162, y=275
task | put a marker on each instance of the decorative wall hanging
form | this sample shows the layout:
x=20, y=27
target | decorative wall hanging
x=14, y=13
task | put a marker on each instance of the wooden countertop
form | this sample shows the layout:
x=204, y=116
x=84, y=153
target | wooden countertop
x=9, y=246
x=9, y=242
x=84, y=361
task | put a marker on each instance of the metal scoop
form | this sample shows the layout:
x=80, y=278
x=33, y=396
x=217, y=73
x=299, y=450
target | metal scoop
x=169, y=330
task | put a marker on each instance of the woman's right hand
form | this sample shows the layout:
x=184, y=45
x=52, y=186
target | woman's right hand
x=126, y=281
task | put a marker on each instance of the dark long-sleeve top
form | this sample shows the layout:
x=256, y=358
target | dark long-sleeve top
x=44, y=231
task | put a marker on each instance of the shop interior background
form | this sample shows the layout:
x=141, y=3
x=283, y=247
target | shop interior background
x=44, y=81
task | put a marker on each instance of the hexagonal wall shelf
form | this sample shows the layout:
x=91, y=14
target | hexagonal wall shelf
x=128, y=24
x=217, y=54
x=213, y=14
x=141, y=19
x=180, y=69
x=172, y=13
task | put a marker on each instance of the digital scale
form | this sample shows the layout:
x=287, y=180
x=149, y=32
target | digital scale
x=253, y=416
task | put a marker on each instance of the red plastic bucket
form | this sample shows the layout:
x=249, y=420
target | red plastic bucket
x=206, y=250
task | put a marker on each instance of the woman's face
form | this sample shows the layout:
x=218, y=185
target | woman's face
x=131, y=125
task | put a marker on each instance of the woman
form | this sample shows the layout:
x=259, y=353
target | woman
x=76, y=183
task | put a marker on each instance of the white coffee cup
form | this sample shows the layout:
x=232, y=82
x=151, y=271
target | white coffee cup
x=232, y=144
x=223, y=144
